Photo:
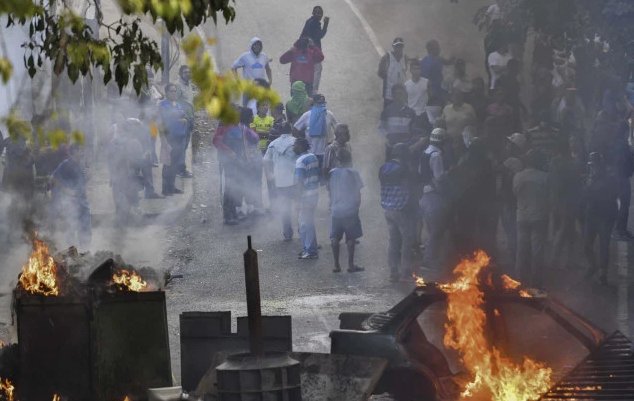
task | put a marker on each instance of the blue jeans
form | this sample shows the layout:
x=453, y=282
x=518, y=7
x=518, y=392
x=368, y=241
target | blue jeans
x=307, y=234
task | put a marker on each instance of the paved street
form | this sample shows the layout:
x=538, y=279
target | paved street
x=208, y=255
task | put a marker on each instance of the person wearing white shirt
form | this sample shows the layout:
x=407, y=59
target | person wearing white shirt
x=317, y=142
x=279, y=163
x=416, y=88
x=497, y=63
x=254, y=63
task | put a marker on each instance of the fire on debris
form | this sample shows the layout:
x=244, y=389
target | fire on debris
x=493, y=375
x=127, y=280
x=39, y=274
x=7, y=389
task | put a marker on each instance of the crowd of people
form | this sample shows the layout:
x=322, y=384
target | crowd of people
x=464, y=158
x=296, y=148
x=464, y=155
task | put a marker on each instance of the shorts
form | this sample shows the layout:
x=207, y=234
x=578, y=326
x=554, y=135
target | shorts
x=349, y=225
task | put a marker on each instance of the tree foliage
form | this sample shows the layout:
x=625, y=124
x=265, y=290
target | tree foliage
x=123, y=54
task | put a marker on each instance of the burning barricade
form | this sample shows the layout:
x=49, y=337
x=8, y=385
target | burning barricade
x=472, y=339
x=87, y=330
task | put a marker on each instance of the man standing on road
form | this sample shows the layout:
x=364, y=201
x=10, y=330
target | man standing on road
x=392, y=69
x=345, y=199
x=600, y=213
x=342, y=141
x=299, y=103
x=314, y=31
x=531, y=189
x=187, y=96
x=432, y=64
x=416, y=88
x=254, y=64
x=307, y=177
x=318, y=124
x=398, y=121
x=279, y=163
x=399, y=206
x=185, y=84
x=498, y=61
x=177, y=122
x=433, y=206
x=303, y=57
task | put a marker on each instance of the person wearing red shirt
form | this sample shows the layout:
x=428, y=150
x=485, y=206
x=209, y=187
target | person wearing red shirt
x=303, y=56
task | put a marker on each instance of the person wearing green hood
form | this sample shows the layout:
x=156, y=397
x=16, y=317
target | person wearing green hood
x=299, y=103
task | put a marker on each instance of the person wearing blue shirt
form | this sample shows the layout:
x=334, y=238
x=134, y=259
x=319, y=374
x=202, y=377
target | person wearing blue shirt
x=177, y=119
x=345, y=199
x=307, y=176
x=431, y=65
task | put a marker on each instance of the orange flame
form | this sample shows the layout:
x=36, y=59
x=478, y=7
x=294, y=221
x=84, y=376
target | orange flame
x=127, y=398
x=57, y=397
x=509, y=284
x=130, y=280
x=420, y=282
x=39, y=275
x=495, y=375
x=7, y=389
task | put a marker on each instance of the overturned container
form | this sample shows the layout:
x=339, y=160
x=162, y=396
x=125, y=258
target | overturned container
x=92, y=346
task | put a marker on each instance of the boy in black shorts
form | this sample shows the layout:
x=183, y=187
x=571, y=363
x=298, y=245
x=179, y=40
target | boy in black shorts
x=345, y=199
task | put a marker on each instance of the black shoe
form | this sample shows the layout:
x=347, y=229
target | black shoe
x=185, y=174
x=177, y=191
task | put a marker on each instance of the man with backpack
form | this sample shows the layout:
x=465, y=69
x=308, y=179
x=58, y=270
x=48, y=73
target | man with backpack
x=400, y=211
x=431, y=169
x=317, y=124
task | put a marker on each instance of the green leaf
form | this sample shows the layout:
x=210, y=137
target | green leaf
x=73, y=72
x=6, y=69
x=107, y=76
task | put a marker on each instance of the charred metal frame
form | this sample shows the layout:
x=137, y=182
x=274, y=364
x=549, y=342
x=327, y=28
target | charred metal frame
x=92, y=347
x=390, y=333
